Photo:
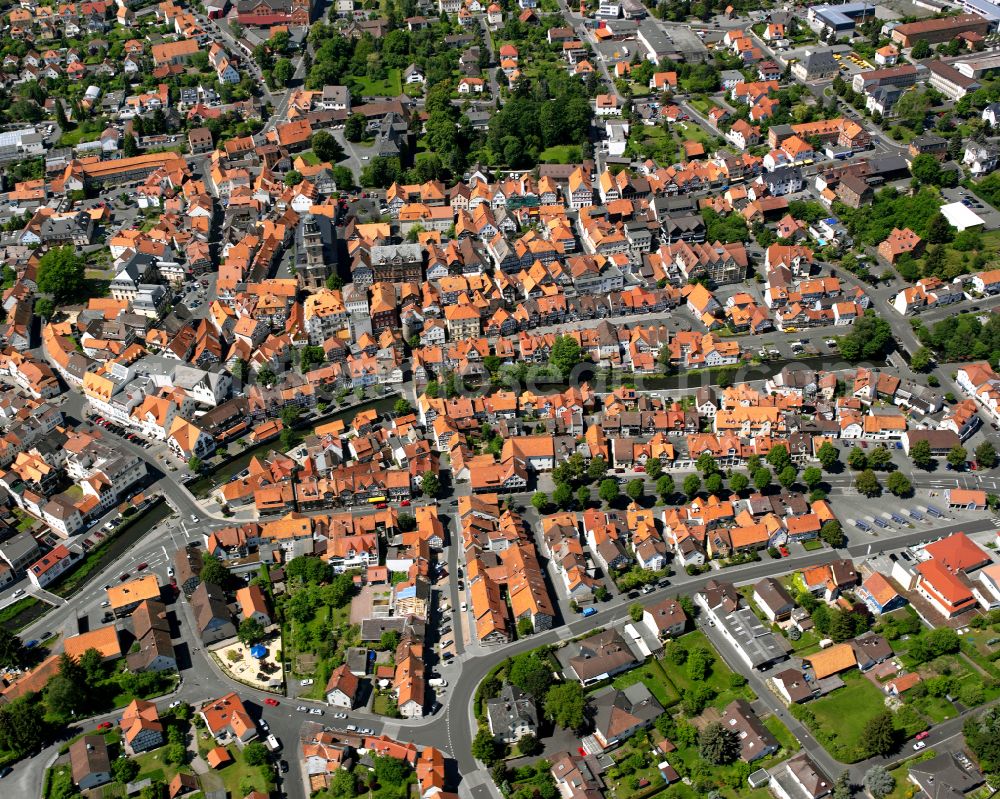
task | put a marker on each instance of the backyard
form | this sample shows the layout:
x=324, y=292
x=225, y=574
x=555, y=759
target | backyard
x=652, y=675
x=724, y=684
x=838, y=720
x=390, y=86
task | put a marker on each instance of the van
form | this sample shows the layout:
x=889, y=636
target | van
x=272, y=743
x=589, y=611
x=438, y=682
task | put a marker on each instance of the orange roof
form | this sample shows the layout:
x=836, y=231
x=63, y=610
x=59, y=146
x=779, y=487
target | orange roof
x=134, y=591
x=218, y=757
x=957, y=552
x=103, y=639
x=880, y=589
x=837, y=658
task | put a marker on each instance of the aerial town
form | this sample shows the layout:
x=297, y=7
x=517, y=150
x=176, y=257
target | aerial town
x=495, y=399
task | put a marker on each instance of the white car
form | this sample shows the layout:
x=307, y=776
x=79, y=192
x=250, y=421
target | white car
x=302, y=709
x=315, y=711
x=175, y=703
x=305, y=683
x=340, y=715
x=919, y=745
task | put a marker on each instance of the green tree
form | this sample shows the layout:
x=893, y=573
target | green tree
x=986, y=455
x=430, y=484
x=124, y=769
x=282, y=73
x=531, y=674
x=565, y=704
x=539, y=500
x=842, y=787
x=311, y=357
x=921, y=360
x=212, y=571
x=255, y=753
x=354, y=127
x=699, y=664
x=601, y=594
x=44, y=308
x=857, y=459
x=22, y=726
x=529, y=745
x=921, y=49
x=635, y=489
x=343, y=784
x=778, y=457
x=867, y=483
x=713, y=484
x=293, y=177
x=738, y=482
x=787, y=476
x=251, y=631
x=635, y=610
x=390, y=770
x=898, y=484
x=665, y=486
x=654, y=468
x=563, y=496
x=485, y=748
x=608, y=491
x=524, y=627
x=692, y=485
x=194, y=464
x=597, y=469
x=879, y=734
x=832, y=533
x=92, y=664
x=706, y=463
x=402, y=407
x=718, y=745
x=869, y=338
x=61, y=274
x=12, y=652
x=828, y=455
x=389, y=641
x=880, y=458
x=565, y=354
x=762, y=478
x=266, y=377
x=921, y=455
x=812, y=477
x=326, y=147
x=957, y=456
x=877, y=780
x=130, y=147
x=582, y=496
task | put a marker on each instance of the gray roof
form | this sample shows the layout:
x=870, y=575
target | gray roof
x=511, y=709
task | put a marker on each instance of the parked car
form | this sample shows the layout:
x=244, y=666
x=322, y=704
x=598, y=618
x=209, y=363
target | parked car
x=315, y=711
x=305, y=683
x=919, y=745
x=123, y=577
x=271, y=702
x=302, y=709
x=105, y=725
x=589, y=611
x=921, y=735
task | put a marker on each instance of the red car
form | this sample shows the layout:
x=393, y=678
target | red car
x=141, y=566
x=921, y=735
x=271, y=702
x=105, y=725
x=405, y=503
x=381, y=506
x=783, y=551
x=580, y=749
x=640, y=468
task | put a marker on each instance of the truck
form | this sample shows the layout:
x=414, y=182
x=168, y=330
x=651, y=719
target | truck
x=272, y=743
x=438, y=682
x=589, y=611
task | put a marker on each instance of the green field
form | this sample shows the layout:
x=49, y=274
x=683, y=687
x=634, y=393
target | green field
x=653, y=676
x=560, y=154
x=390, y=86
x=719, y=679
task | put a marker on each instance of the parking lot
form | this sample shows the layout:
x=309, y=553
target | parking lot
x=989, y=215
x=866, y=519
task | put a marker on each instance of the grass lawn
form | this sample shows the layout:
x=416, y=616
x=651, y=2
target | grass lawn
x=701, y=104
x=310, y=158
x=239, y=773
x=560, y=154
x=904, y=788
x=152, y=766
x=654, y=678
x=691, y=131
x=12, y=611
x=812, y=546
x=841, y=716
x=71, y=138
x=391, y=86
x=781, y=733
x=718, y=678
